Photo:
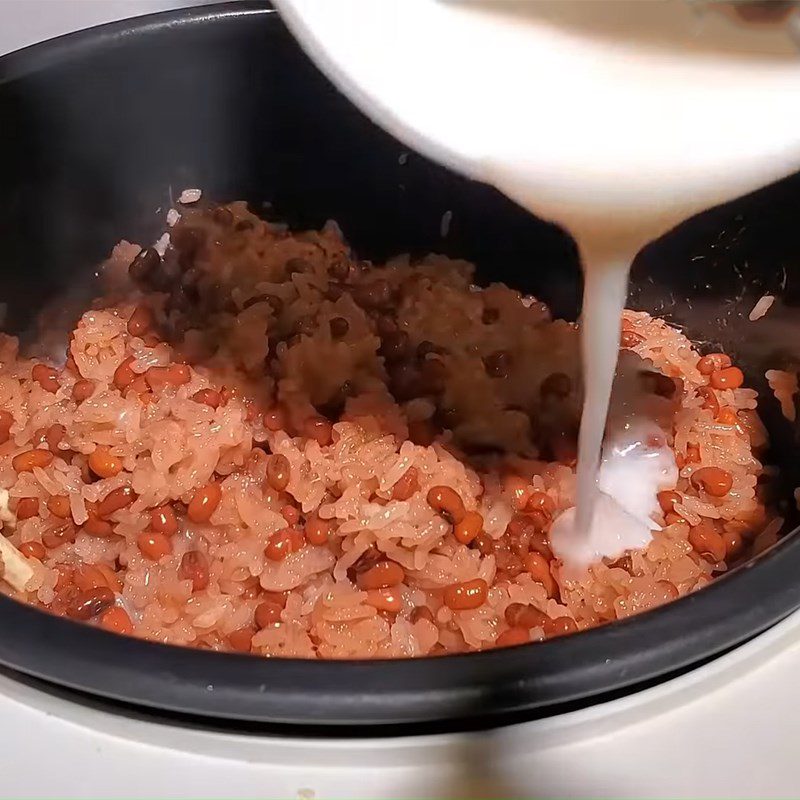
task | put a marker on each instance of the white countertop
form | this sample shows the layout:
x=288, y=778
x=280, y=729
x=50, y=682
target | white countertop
x=729, y=729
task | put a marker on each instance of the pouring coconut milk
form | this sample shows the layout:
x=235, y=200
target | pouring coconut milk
x=617, y=120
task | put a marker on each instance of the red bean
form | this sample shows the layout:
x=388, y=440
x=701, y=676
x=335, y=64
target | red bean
x=154, y=545
x=447, y=503
x=470, y=525
x=173, y=375
x=519, y=615
x=46, y=377
x=407, y=485
x=283, y=543
x=163, y=520
x=33, y=550
x=539, y=542
x=124, y=375
x=498, y=364
x=204, y=503
x=103, y=464
x=667, y=500
x=318, y=429
x=6, y=421
x=275, y=419
x=90, y=603
x=27, y=507
x=734, y=542
x=509, y=564
x=517, y=490
x=95, y=526
x=381, y=576
x=39, y=437
x=712, y=363
x=715, y=481
x=512, y=637
x=194, y=568
x=317, y=530
x=276, y=597
x=518, y=528
x=373, y=295
x=53, y=437
x=541, y=503
x=339, y=327
x=28, y=460
x=538, y=519
x=730, y=378
x=395, y=346
x=58, y=506
x=116, y=500
x=705, y=539
x=466, y=596
x=279, y=472
x=251, y=411
x=484, y=544
x=207, y=397
x=82, y=390
x=539, y=569
x=140, y=322
x=116, y=620
x=388, y=600
x=560, y=626
x=64, y=574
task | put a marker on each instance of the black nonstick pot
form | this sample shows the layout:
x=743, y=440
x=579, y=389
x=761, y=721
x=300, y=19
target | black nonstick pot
x=97, y=128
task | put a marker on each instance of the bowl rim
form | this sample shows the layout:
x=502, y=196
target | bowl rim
x=526, y=679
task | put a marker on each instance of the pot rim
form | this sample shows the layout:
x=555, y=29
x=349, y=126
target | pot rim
x=489, y=685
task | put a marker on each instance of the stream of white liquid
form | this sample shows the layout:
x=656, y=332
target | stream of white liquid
x=613, y=515
x=623, y=457
x=605, y=290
